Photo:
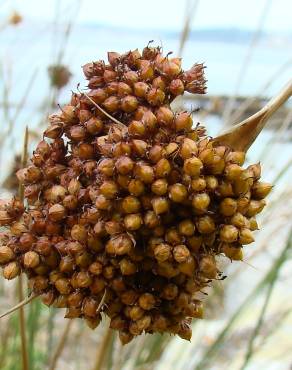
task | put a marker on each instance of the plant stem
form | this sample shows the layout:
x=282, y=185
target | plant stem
x=103, y=349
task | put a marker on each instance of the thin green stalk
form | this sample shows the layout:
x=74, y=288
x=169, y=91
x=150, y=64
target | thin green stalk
x=213, y=349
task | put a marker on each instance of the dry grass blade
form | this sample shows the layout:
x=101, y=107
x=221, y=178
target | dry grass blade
x=18, y=306
x=103, y=111
x=241, y=136
x=190, y=11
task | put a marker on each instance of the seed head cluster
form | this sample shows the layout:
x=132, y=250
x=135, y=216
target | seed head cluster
x=127, y=203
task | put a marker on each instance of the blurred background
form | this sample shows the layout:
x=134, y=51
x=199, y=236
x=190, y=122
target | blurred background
x=246, y=46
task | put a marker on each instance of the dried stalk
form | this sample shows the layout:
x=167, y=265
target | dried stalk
x=24, y=353
x=241, y=136
x=102, y=351
x=18, y=306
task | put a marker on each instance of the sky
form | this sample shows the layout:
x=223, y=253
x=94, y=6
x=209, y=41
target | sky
x=161, y=14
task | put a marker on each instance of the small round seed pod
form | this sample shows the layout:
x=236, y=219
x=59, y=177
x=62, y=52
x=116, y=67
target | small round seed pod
x=155, y=97
x=131, y=204
x=6, y=254
x=162, y=252
x=129, y=103
x=147, y=301
x=141, y=89
x=151, y=220
x=160, y=205
x=170, y=292
x=255, y=207
x=261, y=189
x=172, y=236
x=192, y=166
x=205, y=225
x=124, y=165
x=201, y=201
x=234, y=253
x=162, y=168
x=236, y=157
x=198, y=184
x=186, y=228
x=211, y=182
x=109, y=189
x=129, y=297
x=159, y=187
x=208, y=267
x=239, y=220
x=127, y=267
x=119, y=245
x=176, y=87
x=245, y=236
x=133, y=221
x=79, y=233
x=181, y=253
x=57, y=212
x=136, y=128
x=228, y=207
x=136, y=187
x=253, y=225
x=11, y=270
x=63, y=286
x=178, y=193
x=164, y=116
x=183, y=121
x=31, y=259
x=228, y=233
x=144, y=173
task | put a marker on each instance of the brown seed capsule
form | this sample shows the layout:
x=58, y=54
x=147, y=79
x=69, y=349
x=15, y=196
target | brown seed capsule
x=198, y=184
x=160, y=205
x=239, y=220
x=144, y=173
x=131, y=204
x=176, y=87
x=159, y=187
x=151, y=220
x=125, y=337
x=228, y=207
x=63, y=286
x=233, y=171
x=208, y=267
x=103, y=203
x=129, y=103
x=136, y=128
x=261, y=189
x=181, y=253
x=147, y=301
x=228, y=233
x=162, y=168
x=236, y=157
x=205, y=225
x=192, y=166
x=136, y=187
x=159, y=83
x=162, y=252
x=11, y=270
x=164, y=116
x=111, y=104
x=127, y=267
x=6, y=254
x=201, y=201
x=109, y=189
x=124, y=89
x=31, y=259
x=94, y=126
x=186, y=227
x=155, y=97
x=121, y=244
x=178, y=193
x=170, y=292
x=253, y=225
x=172, y=236
x=141, y=89
x=131, y=77
x=245, y=236
x=183, y=121
x=57, y=212
x=133, y=221
x=156, y=153
x=234, y=253
x=79, y=233
x=255, y=207
x=106, y=167
x=124, y=165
